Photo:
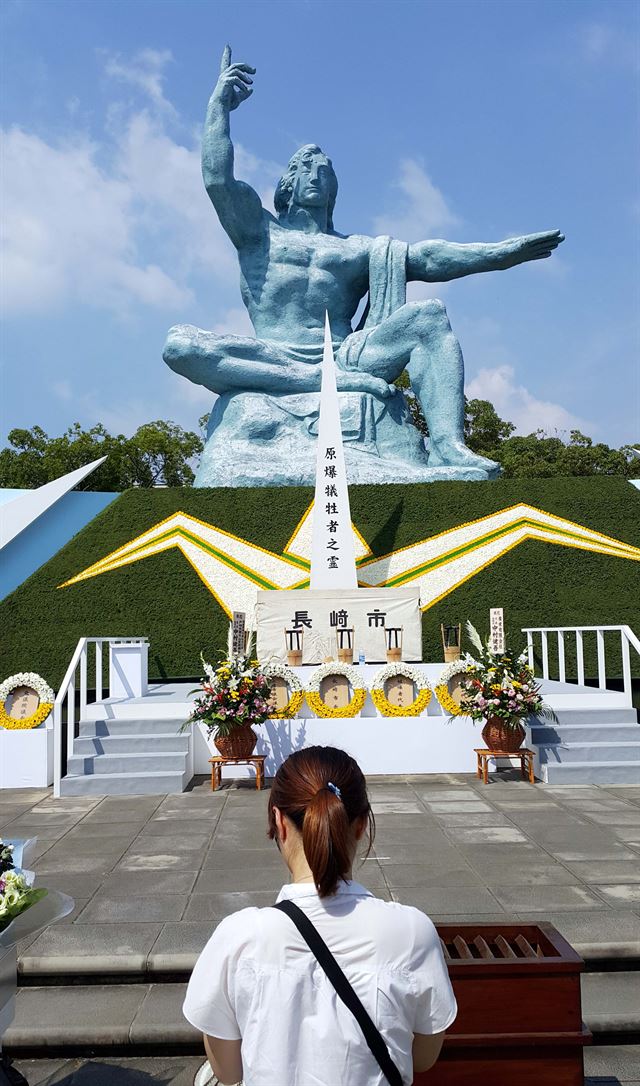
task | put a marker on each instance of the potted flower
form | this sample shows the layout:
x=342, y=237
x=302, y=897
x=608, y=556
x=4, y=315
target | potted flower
x=232, y=697
x=500, y=688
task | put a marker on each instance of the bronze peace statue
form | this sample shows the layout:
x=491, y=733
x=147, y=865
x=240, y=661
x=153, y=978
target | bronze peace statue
x=294, y=266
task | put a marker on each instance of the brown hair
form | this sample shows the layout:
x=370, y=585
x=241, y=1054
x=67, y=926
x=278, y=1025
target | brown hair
x=323, y=814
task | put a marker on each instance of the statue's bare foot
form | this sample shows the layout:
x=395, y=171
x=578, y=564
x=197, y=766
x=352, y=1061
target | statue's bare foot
x=449, y=453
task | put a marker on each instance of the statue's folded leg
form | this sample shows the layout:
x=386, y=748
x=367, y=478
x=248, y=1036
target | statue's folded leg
x=418, y=337
x=238, y=363
x=224, y=363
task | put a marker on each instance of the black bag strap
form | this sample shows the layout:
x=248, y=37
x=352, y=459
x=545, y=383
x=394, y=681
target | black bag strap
x=319, y=948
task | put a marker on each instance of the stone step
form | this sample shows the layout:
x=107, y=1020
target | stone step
x=138, y=1014
x=611, y=1002
x=591, y=773
x=125, y=784
x=585, y=733
x=568, y=753
x=133, y=762
x=130, y=744
x=588, y=716
x=143, y=726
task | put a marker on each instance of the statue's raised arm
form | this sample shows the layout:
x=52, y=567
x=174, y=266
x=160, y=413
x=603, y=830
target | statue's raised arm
x=237, y=204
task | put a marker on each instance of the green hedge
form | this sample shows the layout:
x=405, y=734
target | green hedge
x=537, y=584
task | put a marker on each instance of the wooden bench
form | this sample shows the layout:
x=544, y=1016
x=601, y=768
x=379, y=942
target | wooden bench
x=524, y=754
x=216, y=763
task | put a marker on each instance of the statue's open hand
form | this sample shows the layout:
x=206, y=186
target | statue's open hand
x=530, y=247
x=234, y=82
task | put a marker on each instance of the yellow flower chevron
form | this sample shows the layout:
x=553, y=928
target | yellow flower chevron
x=233, y=569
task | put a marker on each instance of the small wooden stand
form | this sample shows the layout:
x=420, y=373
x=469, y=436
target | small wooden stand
x=293, y=644
x=451, y=642
x=524, y=754
x=217, y=762
x=394, y=644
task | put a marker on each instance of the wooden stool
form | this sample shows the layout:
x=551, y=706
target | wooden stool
x=524, y=754
x=216, y=763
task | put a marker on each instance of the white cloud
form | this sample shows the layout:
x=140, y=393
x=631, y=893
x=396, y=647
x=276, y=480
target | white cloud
x=69, y=232
x=516, y=404
x=235, y=322
x=604, y=43
x=423, y=210
x=145, y=72
x=117, y=222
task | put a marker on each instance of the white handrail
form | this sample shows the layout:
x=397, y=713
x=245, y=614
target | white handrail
x=67, y=693
x=628, y=640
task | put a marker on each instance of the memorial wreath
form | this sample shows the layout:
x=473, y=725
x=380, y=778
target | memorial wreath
x=456, y=667
x=379, y=697
x=334, y=667
x=42, y=689
x=296, y=693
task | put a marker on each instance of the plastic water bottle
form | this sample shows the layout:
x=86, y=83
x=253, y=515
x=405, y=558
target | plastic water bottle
x=361, y=659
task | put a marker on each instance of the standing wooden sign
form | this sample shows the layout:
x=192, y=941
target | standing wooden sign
x=237, y=633
x=496, y=626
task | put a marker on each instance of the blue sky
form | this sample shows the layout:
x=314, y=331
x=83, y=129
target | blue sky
x=473, y=121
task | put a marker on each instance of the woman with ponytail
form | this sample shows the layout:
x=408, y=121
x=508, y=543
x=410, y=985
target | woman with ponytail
x=333, y=986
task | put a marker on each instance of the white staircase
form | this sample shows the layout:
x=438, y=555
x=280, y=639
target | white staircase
x=588, y=746
x=127, y=757
x=596, y=736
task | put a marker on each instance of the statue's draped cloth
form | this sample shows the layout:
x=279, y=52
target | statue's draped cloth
x=258, y=439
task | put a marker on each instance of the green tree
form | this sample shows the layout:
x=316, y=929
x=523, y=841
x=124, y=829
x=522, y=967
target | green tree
x=484, y=430
x=417, y=417
x=538, y=456
x=159, y=453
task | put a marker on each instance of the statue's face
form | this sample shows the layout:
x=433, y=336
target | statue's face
x=312, y=184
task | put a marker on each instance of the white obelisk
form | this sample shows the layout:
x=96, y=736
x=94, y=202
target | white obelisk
x=333, y=559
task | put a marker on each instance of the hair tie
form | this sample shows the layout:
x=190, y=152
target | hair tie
x=334, y=788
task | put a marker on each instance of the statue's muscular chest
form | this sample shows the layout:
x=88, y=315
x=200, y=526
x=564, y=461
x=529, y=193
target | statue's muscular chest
x=298, y=263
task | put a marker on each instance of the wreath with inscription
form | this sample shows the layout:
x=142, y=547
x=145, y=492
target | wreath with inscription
x=296, y=693
x=379, y=697
x=42, y=689
x=456, y=667
x=351, y=673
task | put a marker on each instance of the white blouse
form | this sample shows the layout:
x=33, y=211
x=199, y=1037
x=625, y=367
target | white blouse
x=256, y=979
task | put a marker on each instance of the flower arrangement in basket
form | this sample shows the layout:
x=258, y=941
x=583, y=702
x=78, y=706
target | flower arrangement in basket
x=499, y=687
x=16, y=892
x=232, y=696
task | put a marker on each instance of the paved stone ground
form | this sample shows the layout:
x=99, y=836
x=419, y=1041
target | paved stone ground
x=152, y=876
x=604, y=1067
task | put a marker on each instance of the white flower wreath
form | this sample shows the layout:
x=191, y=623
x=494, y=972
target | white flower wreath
x=277, y=670
x=42, y=689
x=26, y=678
x=416, y=676
x=449, y=672
x=335, y=667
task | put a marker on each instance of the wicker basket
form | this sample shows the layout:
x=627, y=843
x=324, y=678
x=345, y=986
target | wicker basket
x=498, y=735
x=240, y=743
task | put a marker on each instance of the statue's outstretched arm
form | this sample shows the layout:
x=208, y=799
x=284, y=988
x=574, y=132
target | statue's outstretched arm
x=439, y=261
x=237, y=204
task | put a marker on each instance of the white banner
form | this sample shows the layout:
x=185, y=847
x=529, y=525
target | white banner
x=319, y=615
